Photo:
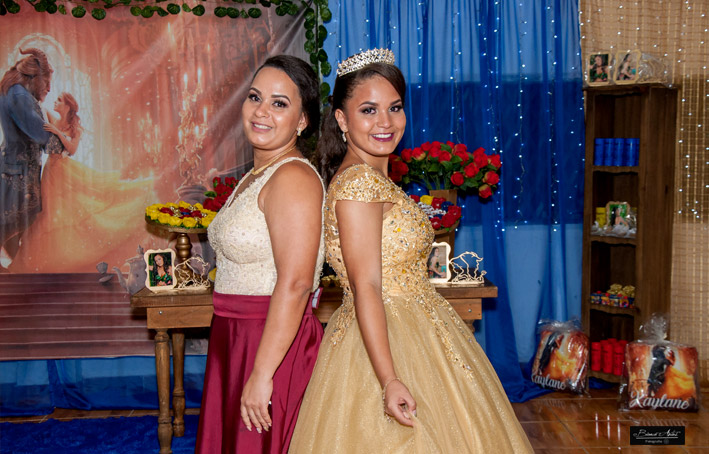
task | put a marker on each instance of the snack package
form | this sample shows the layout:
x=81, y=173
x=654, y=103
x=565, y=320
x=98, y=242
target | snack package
x=662, y=375
x=561, y=361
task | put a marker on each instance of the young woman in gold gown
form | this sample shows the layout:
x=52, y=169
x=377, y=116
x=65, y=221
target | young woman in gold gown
x=398, y=371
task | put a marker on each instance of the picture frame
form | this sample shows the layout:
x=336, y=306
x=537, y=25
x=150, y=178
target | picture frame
x=598, y=69
x=626, y=67
x=438, y=263
x=617, y=214
x=160, y=277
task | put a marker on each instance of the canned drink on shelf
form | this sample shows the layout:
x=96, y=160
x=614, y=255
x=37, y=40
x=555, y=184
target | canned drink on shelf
x=633, y=151
x=618, y=147
x=607, y=152
x=599, y=148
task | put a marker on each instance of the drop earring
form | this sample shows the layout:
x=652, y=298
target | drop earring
x=344, y=137
x=299, y=132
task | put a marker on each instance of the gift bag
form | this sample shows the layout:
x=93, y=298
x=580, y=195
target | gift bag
x=662, y=375
x=561, y=361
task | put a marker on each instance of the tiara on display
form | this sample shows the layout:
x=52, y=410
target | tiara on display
x=362, y=59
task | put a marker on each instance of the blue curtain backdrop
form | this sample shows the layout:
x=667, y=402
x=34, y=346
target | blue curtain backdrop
x=507, y=76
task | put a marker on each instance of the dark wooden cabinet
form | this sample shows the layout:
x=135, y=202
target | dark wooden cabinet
x=647, y=112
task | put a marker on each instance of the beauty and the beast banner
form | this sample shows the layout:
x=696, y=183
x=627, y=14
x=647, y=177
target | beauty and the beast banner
x=116, y=115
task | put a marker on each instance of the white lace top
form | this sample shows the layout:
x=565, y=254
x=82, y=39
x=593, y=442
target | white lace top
x=239, y=236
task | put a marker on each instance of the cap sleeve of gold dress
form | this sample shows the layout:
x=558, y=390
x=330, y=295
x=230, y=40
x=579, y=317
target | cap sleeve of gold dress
x=462, y=407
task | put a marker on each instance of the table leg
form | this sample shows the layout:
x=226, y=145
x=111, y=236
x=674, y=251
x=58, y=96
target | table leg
x=162, y=371
x=183, y=244
x=178, y=393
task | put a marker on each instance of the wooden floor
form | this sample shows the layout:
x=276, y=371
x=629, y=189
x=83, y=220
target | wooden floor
x=555, y=423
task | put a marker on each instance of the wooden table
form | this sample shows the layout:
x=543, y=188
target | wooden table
x=175, y=310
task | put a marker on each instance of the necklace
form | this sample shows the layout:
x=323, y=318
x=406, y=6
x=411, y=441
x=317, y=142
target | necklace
x=279, y=155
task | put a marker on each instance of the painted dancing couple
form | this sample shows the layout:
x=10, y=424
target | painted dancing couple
x=396, y=370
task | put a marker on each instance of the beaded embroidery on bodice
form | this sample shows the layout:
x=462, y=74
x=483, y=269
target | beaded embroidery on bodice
x=239, y=236
x=406, y=231
x=407, y=237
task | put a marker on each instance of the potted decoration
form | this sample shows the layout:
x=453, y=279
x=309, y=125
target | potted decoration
x=445, y=168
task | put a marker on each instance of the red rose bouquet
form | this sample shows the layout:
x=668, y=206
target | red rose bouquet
x=222, y=190
x=439, y=165
x=444, y=215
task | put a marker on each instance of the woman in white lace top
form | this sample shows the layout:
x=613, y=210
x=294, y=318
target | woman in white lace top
x=268, y=240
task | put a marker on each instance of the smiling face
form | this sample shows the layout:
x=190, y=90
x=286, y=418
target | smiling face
x=159, y=261
x=373, y=119
x=272, y=111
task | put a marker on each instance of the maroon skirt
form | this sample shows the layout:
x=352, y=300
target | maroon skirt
x=236, y=331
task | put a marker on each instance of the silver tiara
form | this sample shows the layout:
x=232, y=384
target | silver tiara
x=362, y=59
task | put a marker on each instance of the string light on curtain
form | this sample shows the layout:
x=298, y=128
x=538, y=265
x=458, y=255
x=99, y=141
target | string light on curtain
x=420, y=37
x=522, y=79
x=491, y=47
x=553, y=168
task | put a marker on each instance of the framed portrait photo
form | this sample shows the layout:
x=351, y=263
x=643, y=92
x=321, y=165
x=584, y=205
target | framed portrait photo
x=617, y=213
x=625, y=70
x=160, y=269
x=598, y=71
x=438, y=263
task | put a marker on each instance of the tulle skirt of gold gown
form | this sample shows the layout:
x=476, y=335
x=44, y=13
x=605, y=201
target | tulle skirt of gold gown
x=87, y=217
x=462, y=407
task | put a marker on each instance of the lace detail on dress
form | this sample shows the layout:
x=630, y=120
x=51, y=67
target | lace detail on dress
x=54, y=145
x=407, y=236
x=239, y=236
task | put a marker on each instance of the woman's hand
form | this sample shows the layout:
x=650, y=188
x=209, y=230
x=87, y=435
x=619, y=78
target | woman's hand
x=254, y=402
x=52, y=128
x=398, y=403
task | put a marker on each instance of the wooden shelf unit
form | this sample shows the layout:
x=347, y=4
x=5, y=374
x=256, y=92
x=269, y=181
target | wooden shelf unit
x=647, y=112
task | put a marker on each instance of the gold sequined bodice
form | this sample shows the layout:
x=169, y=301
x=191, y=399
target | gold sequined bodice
x=406, y=231
x=407, y=236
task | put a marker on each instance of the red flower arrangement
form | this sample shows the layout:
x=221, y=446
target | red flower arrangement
x=222, y=190
x=439, y=165
x=443, y=214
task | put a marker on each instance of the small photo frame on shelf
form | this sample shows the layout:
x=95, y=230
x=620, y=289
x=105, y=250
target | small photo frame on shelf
x=160, y=269
x=438, y=263
x=617, y=213
x=625, y=70
x=598, y=71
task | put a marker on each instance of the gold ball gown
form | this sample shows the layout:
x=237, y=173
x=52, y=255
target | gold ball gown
x=462, y=407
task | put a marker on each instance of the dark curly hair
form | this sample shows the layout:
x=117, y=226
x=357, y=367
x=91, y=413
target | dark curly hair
x=303, y=76
x=331, y=149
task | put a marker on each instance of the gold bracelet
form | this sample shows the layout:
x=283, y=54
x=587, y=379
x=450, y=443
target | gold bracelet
x=384, y=388
x=384, y=391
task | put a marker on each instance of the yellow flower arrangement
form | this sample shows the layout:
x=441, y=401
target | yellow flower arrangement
x=427, y=199
x=180, y=214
